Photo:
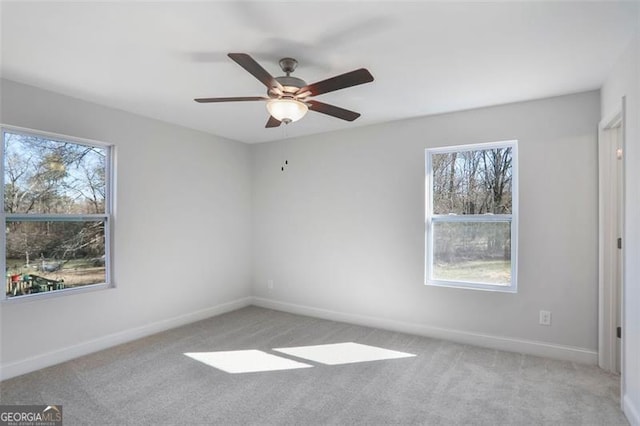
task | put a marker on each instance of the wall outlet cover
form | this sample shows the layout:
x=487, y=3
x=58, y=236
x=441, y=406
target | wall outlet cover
x=545, y=318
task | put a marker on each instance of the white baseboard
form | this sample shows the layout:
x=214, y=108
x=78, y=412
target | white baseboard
x=496, y=342
x=65, y=354
x=631, y=411
x=548, y=350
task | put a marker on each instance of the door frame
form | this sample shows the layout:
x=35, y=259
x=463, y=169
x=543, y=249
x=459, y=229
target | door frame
x=610, y=227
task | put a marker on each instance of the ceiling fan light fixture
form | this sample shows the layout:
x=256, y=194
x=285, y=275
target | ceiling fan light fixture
x=287, y=96
x=287, y=110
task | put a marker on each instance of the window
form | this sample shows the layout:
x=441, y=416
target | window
x=471, y=216
x=56, y=212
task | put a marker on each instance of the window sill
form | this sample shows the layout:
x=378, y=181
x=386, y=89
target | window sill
x=54, y=294
x=500, y=288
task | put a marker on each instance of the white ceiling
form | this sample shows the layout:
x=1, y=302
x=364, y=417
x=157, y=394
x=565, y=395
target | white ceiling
x=153, y=58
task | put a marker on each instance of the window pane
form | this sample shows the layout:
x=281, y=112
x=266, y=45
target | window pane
x=472, y=251
x=49, y=256
x=48, y=176
x=472, y=182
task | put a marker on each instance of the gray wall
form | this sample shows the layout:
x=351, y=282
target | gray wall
x=342, y=228
x=182, y=227
x=624, y=80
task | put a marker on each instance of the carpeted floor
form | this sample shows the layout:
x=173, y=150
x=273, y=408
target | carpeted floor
x=151, y=381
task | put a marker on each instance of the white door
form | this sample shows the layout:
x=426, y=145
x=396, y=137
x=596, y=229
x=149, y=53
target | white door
x=610, y=161
x=619, y=189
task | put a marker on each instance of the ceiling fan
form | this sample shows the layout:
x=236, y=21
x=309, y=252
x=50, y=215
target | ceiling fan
x=288, y=97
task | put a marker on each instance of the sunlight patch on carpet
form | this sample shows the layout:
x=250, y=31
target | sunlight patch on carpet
x=245, y=361
x=343, y=353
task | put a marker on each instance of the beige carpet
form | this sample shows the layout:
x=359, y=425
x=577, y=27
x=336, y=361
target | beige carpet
x=151, y=381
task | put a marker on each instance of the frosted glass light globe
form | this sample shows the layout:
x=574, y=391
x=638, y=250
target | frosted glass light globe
x=287, y=110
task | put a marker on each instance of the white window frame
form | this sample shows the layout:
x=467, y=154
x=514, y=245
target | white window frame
x=106, y=217
x=431, y=218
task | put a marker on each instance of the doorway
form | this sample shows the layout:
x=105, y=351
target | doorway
x=611, y=222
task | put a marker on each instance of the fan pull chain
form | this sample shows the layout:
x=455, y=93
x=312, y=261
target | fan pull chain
x=285, y=134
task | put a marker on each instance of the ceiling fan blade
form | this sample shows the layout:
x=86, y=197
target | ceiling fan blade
x=240, y=99
x=332, y=110
x=254, y=68
x=272, y=122
x=338, y=82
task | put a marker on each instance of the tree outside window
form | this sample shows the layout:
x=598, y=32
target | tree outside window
x=56, y=213
x=471, y=216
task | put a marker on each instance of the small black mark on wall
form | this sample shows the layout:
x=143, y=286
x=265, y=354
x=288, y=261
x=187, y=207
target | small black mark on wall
x=286, y=163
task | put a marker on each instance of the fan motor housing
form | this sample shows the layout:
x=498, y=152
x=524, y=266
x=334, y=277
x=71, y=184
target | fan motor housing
x=291, y=84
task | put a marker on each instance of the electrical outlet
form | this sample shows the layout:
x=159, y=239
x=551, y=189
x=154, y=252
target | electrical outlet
x=545, y=318
x=270, y=284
